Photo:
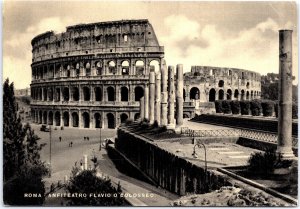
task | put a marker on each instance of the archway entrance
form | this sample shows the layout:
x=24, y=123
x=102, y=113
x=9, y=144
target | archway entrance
x=124, y=117
x=86, y=120
x=124, y=94
x=212, y=95
x=45, y=117
x=97, y=117
x=221, y=94
x=57, y=118
x=66, y=118
x=110, y=120
x=194, y=93
x=75, y=119
x=138, y=93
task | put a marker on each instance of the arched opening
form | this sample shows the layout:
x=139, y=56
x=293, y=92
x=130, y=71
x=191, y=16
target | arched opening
x=221, y=94
x=45, y=94
x=138, y=93
x=75, y=94
x=110, y=120
x=139, y=67
x=57, y=95
x=45, y=117
x=97, y=118
x=242, y=95
x=154, y=66
x=248, y=85
x=75, y=119
x=68, y=71
x=98, y=94
x=77, y=70
x=124, y=94
x=112, y=67
x=125, y=67
x=66, y=118
x=50, y=95
x=229, y=73
x=87, y=69
x=194, y=93
x=50, y=119
x=99, y=68
x=236, y=94
x=212, y=95
x=229, y=94
x=221, y=83
x=57, y=118
x=123, y=117
x=136, y=116
x=40, y=94
x=110, y=94
x=86, y=120
x=183, y=95
x=251, y=95
x=247, y=95
x=40, y=117
x=86, y=93
x=66, y=95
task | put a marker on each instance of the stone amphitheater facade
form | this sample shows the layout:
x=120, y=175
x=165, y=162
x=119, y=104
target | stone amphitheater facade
x=94, y=75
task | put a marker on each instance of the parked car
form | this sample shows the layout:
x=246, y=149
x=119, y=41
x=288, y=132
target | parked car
x=45, y=128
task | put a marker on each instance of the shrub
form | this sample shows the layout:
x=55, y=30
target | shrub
x=86, y=182
x=155, y=124
x=262, y=163
x=245, y=107
x=144, y=125
x=267, y=107
x=235, y=107
x=218, y=106
x=255, y=107
x=226, y=107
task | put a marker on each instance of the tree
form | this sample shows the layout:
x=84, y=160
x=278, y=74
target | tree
x=22, y=168
x=86, y=182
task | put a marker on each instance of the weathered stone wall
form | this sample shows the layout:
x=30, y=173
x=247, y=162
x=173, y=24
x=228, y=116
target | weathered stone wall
x=166, y=169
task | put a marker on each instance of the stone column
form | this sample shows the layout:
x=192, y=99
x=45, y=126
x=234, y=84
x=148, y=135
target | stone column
x=284, y=143
x=61, y=118
x=157, y=98
x=80, y=125
x=142, y=108
x=146, y=102
x=179, y=95
x=171, y=109
x=151, y=96
x=85, y=162
x=164, y=93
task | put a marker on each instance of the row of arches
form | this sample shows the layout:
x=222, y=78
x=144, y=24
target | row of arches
x=222, y=95
x=71, y=119
x=73, y=93
x=94, y=68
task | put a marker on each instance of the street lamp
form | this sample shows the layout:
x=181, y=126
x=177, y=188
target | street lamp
x=198, y=144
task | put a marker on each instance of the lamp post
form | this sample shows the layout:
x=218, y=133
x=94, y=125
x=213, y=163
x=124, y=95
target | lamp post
x=198, y=144
x=100, y=126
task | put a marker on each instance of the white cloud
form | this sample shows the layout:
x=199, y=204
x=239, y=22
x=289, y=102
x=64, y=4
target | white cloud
x=254, y=48
x=17, y=67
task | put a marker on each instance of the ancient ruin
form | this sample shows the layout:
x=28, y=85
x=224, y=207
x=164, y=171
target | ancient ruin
x=97, y=75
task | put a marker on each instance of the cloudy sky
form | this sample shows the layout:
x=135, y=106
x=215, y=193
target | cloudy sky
x=225, y=34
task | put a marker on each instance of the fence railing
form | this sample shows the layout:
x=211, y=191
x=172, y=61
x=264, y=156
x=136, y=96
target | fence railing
x=246, y=133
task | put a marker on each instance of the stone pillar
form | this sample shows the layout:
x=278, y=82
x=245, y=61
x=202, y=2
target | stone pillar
x=151, y=96
x=142, y=108
x=61, y=119
x=284, y=143
x=171, y=109
x=157, y=98
x=164, y=93
x=80, y=125
x=146, y=102
x=179, y=95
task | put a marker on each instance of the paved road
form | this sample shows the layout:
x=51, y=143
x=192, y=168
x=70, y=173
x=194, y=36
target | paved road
x=63, y=158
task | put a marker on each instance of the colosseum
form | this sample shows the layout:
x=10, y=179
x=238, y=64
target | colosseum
x=94, y=75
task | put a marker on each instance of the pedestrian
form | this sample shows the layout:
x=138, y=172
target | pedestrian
x=88, y=138
x=71, y=144
x=60, y=139
x=84, y=138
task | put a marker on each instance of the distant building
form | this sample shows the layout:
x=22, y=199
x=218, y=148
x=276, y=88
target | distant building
x=23, y=92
